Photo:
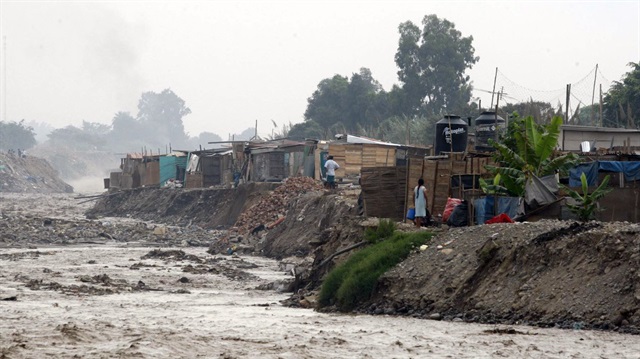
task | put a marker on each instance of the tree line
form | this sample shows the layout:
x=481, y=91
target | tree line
x=432, y=60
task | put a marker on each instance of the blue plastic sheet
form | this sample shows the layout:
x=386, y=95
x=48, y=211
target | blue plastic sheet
x=484, y=208
x=630, y=169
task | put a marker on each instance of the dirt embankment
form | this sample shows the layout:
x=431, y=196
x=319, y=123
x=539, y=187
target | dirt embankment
x=28, y=174
x=548, y=273
x=207, y=208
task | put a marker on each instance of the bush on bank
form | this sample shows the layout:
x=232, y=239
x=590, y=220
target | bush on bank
x=354, y=281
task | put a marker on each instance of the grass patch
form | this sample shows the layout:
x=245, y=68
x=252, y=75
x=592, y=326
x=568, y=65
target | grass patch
x=355, y=280
x=384, y=230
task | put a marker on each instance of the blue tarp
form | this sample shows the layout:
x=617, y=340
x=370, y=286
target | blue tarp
x=484, y=207
x=172, y=167
x=631, y=170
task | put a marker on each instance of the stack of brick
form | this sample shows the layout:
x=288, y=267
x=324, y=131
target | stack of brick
x=271, y=209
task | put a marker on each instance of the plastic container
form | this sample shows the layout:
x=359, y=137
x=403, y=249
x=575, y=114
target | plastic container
x=411, y=213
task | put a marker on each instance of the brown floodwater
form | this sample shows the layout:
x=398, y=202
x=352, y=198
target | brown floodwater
x=107, y=301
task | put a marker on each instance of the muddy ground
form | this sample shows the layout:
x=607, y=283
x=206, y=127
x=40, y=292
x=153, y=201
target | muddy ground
x=140, y=299
x=549, y=273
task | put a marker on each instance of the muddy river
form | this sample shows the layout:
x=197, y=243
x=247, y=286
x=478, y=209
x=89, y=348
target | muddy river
x=117, y=300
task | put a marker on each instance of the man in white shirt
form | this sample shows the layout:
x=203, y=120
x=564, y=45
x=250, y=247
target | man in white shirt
x=331, y=167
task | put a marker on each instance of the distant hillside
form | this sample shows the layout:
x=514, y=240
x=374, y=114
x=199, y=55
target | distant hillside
x=28, y=174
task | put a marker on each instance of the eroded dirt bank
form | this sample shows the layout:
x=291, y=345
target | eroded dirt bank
x=548, y=274
x=208, y=208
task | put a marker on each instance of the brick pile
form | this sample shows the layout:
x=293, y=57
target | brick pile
x=271, y=209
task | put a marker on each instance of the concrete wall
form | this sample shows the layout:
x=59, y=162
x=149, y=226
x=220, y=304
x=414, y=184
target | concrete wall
x=571, y=138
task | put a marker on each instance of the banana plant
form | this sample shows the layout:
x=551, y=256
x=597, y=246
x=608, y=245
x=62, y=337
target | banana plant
x=532, y=155
x=587, y=203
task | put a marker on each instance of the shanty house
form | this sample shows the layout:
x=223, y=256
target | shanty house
x=208, y=168
x=354, y=153
x=279, y=159
x=173, y=166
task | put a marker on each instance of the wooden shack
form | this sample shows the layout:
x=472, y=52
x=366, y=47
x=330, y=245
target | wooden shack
x=355, y=153
x=210, y=168
x=277, y=160
x=444, y=177
x=352, y=157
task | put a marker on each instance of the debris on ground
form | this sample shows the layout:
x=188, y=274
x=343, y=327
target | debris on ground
x=271, y=209
x=28, y=174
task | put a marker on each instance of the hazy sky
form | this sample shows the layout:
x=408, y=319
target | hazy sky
x=235, y=62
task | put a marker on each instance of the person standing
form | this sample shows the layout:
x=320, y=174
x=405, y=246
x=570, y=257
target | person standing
x=420, y=203
x=331, y=167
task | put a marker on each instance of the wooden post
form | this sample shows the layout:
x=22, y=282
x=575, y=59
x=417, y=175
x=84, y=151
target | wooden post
x=406, y=193
x=593, y=93
x=566, y=116
x=495, y=197
x=495, y=78
x=601, y=124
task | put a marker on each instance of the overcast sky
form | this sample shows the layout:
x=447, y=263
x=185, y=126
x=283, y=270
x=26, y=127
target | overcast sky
x=235, y=62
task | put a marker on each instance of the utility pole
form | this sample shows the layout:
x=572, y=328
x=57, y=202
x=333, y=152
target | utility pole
x=593, y=93
x=601, y=125
x=495, y=78
x=566, y=111
x=4, y=79
x=256, y=135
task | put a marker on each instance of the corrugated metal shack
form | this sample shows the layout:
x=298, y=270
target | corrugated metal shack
x=173, y=167
x=279, y=159
x=137, y=170
x=210, y=168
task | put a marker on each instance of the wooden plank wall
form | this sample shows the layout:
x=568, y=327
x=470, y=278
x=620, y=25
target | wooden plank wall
x=383, y=191
x=437, y=177
x=152, y=174
x=353, y=157
x=194, y=180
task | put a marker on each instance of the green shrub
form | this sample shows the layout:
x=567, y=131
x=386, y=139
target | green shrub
x=355, y=280
x=587, y=203
x=385, y=229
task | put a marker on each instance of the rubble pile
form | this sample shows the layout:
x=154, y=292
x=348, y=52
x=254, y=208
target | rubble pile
x=271, y=209
x=28, y=174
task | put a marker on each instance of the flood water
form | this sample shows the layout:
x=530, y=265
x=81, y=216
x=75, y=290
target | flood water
x=106, y=301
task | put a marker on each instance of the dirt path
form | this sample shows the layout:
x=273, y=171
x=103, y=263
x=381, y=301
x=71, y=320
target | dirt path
x=118, y=300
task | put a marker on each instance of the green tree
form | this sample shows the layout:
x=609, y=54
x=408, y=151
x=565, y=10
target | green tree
x=125, y=133
x=327, y=104
x=621, y=104
x=587, y=116
x=76, y=138
x=528, y=151
x=542, y=112
x=203, y=140
x=307, y=129
x=160, y=116
x=95, y=128
x=16, y=135
x=355, y=105
x=432, y=64
x=403, y=129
